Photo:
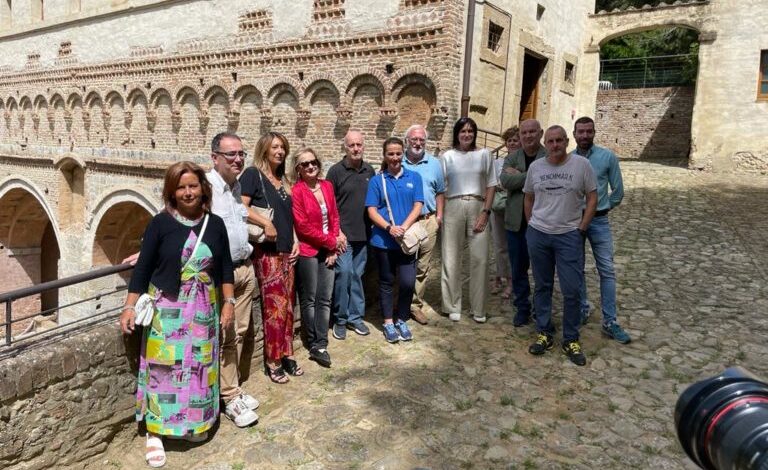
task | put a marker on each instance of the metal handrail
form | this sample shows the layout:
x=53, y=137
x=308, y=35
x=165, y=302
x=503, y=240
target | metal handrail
x=10, y=297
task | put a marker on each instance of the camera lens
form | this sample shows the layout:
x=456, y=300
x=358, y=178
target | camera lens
x=722, y=422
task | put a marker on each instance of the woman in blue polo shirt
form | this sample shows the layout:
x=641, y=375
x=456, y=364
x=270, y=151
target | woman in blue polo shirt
x=406, y=196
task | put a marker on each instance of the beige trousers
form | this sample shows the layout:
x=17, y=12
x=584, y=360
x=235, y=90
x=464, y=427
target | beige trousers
x=458, y=220
x=423, y=263
x=232, y=338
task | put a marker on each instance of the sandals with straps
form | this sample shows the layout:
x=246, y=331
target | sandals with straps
x=290, y=366
x=155, y=455
x=276, y=375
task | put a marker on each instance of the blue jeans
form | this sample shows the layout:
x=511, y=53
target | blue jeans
x=566, y=253
x=601, y=240
x=391, y=263
x=517, y=247
x=348, y=294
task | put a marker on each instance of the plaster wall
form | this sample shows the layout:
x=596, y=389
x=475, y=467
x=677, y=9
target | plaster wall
x=730, y=128
x=557, y=35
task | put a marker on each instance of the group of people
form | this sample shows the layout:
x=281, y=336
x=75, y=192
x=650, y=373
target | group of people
x=274, y=223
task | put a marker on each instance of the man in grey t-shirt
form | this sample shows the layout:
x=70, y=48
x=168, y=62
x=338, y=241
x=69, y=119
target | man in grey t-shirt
x=555, y=190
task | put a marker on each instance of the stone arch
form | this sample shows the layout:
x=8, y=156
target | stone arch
x=136, y=119
x=366, y=95
x=247, y=103
x=160, y=117
x=604, y=27
x=415, y=96
x=71, y=184
x=217, y=106
x=284, y=100
x=322, y=100
x=114, y=119
x=370, y=78
x=29, y=243
x=12, y=118
x=93, y=119
x=55, y=119
x=40, y=117
x=27, y=120
x=76, y=123
x=117, y=224
x=189, y=111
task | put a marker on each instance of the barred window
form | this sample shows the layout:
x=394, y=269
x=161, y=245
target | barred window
x=494, y=36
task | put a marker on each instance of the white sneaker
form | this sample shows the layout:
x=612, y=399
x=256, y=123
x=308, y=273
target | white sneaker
x=454, y=316
x=239, y=413
x=479, y=319
x=249, y=401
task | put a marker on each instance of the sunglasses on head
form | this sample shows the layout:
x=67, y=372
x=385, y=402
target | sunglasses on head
x=309, y=162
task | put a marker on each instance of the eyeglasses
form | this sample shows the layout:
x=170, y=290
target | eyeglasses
x=306, y=164
x=233, y=154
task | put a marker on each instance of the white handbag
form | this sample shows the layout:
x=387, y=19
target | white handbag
x=416, y=234
x=256, y=232
x=145, y=305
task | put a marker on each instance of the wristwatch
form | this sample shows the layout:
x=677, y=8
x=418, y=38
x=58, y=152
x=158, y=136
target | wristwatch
x=230, y=300
x=487, y=211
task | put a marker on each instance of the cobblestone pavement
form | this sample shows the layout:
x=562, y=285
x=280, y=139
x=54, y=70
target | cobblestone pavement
x=691, y=258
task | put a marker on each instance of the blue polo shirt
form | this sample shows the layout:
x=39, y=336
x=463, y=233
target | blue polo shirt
x=403, y=192
x=431, y=172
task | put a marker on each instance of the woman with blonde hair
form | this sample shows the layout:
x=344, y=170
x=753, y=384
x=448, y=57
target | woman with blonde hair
x=265, y=185
x=183, y=262
x=317, y=228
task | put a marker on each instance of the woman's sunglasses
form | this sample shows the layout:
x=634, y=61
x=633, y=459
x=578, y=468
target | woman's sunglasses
x=306, y=164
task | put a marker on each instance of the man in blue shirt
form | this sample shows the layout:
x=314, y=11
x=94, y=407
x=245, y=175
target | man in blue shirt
x=608, y=174
x=418, y=160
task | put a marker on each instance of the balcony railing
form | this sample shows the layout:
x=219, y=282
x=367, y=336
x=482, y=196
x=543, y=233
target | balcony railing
x=9, y=297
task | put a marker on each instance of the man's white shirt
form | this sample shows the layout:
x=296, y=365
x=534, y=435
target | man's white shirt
x=228, y=205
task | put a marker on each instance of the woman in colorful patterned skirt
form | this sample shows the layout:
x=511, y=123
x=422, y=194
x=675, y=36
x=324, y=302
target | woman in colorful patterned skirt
x=265, y=185
x=178, y=384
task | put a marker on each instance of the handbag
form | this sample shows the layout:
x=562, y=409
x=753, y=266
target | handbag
x=256, y=232
x=416, y=234
x=499, y=201
x=145, y=305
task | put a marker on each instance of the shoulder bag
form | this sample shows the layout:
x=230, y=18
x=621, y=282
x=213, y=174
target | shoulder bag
x=256, y=232
x=145, y=305
x=416, y=234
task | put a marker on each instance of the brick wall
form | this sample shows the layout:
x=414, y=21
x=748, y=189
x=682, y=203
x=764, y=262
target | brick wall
x=646, y=123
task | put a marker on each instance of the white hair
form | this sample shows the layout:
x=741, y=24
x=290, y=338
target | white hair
x=413, y=128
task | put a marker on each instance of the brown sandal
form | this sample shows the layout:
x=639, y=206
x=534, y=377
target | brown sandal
x=276, y=375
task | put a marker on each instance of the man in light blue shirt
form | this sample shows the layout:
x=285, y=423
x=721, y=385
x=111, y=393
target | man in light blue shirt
x=431, y=172
x=610, y=191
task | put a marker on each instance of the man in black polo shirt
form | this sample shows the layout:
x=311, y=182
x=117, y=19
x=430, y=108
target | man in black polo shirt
x=350, y=183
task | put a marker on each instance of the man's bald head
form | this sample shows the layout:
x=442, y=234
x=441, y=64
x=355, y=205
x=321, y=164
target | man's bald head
x=354, y=145
x=530, y=136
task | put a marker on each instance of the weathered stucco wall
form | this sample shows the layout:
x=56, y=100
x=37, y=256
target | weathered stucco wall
x=645, y=123
x=557, y=35
x=730, y=124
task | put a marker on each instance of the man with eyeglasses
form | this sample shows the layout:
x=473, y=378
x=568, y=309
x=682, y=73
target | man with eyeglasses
x=350, y=179
x=228, y=159
x=555, y=190
x=417, y=159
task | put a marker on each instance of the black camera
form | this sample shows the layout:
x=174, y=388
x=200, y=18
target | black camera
x=722, y=422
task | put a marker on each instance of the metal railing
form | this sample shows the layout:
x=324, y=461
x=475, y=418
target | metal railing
x=9, y=297
x=490, y=140
x=649, y=72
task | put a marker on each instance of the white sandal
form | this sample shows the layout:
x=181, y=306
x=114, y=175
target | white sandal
x=155, y=455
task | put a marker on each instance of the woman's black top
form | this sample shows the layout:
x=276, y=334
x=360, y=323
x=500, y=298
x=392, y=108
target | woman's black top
x=160, y=257
x=279, y=201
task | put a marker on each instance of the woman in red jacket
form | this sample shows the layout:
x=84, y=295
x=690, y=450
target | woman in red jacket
x=316, y=220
